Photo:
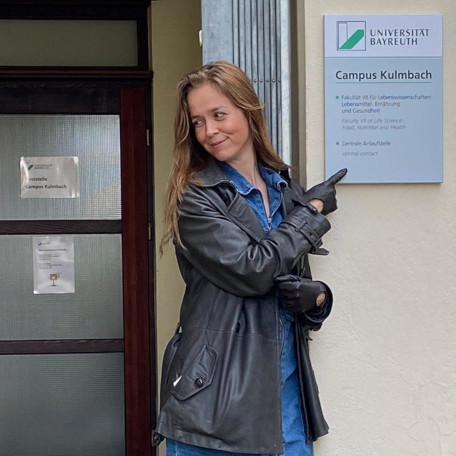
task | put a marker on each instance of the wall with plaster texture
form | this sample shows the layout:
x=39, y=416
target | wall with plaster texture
x=175, y=51
x=385, y=361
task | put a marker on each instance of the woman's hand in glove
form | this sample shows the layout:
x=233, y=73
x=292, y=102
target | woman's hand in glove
x=299, y=294
x=326, y=192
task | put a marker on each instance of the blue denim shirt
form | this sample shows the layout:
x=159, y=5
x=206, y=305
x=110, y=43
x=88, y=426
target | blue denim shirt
x=252, y=195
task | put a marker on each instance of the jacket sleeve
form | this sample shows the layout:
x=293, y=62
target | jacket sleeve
x=228, y=257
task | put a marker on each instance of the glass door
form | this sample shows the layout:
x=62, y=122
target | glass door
x=75, y=271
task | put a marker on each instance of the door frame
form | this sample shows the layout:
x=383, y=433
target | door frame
x=133, y=104
x=137, y=271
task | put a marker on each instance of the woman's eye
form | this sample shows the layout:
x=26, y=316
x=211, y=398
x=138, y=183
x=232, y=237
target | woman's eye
x=197, y=123
x=219, y=115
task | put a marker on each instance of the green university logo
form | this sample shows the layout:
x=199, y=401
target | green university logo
x=351, y=36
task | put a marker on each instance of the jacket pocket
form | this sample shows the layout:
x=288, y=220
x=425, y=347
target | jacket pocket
x=168, y=356
x=197, y=376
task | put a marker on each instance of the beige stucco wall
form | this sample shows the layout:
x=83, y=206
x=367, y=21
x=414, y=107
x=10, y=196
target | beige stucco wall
x=385, y=360
x=175, y=51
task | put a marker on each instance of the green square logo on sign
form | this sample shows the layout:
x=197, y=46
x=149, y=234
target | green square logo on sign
x=351, y=36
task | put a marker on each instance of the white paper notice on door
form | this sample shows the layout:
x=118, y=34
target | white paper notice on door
x=53, y=265
x=49, y=177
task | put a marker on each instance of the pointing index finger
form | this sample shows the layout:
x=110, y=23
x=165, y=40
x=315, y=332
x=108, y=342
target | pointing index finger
x=338, y=176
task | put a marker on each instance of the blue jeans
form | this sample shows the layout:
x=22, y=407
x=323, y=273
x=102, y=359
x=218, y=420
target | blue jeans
x=294, y=439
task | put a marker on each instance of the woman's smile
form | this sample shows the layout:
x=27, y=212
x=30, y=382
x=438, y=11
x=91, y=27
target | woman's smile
x=217, y=143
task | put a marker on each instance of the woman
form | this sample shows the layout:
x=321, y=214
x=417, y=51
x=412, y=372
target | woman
x=236, y=376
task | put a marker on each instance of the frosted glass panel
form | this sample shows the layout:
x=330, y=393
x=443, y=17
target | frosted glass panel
x=94, y=139
x=94, y=311
x=68, y=43
x=62, y=405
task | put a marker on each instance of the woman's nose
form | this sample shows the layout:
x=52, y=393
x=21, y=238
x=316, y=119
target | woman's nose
x=211, y=128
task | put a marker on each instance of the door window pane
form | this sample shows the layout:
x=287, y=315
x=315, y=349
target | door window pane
x=94, y=311
x=94, y=139
x=68, y=43
x=62, y=405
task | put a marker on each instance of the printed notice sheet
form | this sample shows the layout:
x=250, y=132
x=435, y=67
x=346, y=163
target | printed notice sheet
x=49, y=177
x=383, y=98
x=53, y=265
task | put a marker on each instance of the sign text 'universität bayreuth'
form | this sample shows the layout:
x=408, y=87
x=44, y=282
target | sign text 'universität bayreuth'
x=383, y=98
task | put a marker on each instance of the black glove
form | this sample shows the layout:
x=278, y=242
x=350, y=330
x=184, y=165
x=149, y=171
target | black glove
x=298, y=294
x=326, y=192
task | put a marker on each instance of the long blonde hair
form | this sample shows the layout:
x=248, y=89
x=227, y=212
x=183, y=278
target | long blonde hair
x=189, y=155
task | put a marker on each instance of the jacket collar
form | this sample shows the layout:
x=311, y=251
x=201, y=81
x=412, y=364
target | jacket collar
x=289, y=201
x=211, y=174
x=240, y=212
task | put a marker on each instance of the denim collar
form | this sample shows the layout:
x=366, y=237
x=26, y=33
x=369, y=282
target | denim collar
x=244, y=187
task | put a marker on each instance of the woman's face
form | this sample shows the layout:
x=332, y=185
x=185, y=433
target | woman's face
x=220, y=126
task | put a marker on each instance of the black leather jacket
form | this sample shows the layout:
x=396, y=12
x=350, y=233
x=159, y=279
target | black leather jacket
x=221, y=371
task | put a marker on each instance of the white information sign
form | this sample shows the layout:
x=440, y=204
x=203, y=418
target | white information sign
x=53, y=265
x=383, y=98
x=49, y=177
